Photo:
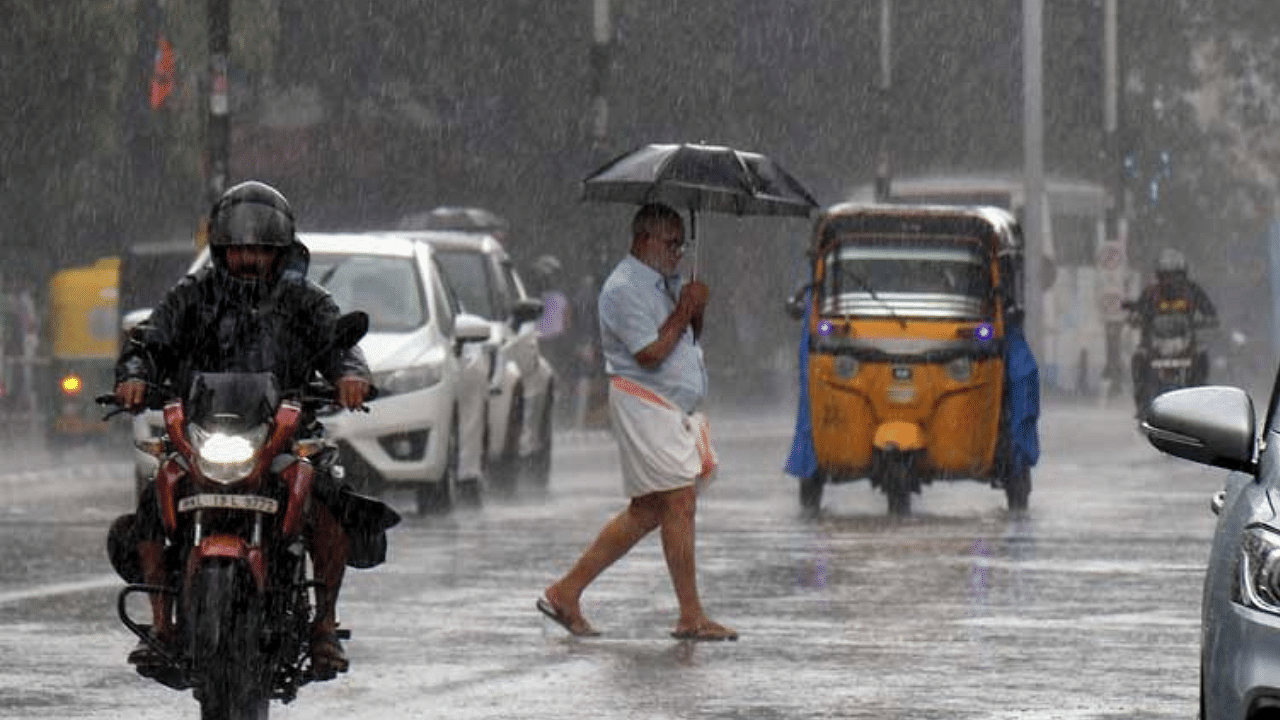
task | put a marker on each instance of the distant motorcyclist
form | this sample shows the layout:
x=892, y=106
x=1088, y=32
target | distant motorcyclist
x=1173, y=294
x=250, y=310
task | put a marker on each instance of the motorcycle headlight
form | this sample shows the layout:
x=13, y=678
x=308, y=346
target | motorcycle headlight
x=403, y=380
x=1257, y=581
x=226, y=457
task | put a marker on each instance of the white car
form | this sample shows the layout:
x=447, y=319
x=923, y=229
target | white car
x=522, y=387
x=425, y=428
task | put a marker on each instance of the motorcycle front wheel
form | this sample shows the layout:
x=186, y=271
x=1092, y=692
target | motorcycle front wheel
x=226, y=628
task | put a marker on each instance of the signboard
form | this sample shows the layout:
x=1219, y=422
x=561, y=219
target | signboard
x=1112, y=269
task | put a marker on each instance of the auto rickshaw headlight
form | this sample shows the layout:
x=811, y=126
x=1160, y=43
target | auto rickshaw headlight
x=846, y=367
x=960, y=369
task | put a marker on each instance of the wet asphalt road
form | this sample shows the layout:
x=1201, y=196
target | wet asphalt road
x=1086, y=607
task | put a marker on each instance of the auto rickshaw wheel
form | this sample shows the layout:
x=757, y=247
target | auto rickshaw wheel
x=1017, y=490
x=811, y=493
x=894, y=470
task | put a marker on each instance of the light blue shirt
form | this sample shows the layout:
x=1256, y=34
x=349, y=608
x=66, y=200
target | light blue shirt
x=634, y=302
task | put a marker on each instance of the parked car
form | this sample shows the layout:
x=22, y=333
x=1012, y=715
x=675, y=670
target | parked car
x=1240, y=610
x=522, y=386
x=425, y=427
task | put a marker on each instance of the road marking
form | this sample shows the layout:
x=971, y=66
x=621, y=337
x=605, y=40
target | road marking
x=63, y=588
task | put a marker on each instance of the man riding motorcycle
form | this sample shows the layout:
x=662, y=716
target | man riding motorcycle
x=251, y=310
x=1173, y=293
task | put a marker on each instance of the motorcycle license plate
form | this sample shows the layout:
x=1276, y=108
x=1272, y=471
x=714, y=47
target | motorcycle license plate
x=254, y=503
x=1171, y=363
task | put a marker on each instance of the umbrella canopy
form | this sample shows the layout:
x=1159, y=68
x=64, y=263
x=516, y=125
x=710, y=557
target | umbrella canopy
x=709, y=178
x=450, y=217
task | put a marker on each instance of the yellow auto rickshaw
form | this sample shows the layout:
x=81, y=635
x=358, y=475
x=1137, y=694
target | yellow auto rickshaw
x=84, y=339
x=914, y=364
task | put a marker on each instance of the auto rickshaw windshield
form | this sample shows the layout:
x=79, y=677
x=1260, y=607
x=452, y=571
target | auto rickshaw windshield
x=906, y=278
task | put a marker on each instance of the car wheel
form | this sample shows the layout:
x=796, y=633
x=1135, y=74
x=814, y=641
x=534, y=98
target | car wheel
x=435, y=498
x=811, y=494
x=1017, y=490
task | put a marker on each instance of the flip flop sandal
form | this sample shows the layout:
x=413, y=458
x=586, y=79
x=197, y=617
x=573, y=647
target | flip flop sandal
x=712, y=632
x=581, y=628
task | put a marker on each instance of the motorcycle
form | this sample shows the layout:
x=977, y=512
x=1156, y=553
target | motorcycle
x=1169, y=355
x=236, y=468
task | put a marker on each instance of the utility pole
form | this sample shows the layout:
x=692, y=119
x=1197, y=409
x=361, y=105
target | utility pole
x=601, y=51
x=601, y=63
x=218, y=129
x=1113, y=256
x=884, y=96
x=1033, y=167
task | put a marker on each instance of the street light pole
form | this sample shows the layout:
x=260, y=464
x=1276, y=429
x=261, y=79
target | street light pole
x=218, y=131
x=1033, y=167
x=1115, y=267
x=884, y=97
x=601, y=48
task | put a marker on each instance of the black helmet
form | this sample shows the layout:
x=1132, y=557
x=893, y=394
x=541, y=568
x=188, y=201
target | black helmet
x=251, y=213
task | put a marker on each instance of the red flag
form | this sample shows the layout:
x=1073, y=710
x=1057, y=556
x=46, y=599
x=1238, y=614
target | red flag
x=163, y=76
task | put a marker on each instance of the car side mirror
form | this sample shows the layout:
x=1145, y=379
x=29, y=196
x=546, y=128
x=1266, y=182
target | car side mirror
x=525, y=310
x=469, y=328
x=1213, y=425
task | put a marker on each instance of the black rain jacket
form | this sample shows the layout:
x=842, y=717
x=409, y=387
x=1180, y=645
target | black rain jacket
x=214, y=322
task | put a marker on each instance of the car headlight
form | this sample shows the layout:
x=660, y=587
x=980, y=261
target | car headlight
x=226, y=457
x=403, y=380
x=1257, y=581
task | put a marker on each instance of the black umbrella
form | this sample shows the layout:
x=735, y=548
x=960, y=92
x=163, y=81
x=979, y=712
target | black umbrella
x=696, y=178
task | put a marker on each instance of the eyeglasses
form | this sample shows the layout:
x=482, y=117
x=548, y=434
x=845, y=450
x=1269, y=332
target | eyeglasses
x=678, y=244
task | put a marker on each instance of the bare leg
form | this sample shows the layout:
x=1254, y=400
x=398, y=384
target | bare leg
x=678, y=514
x=618, y=536
x=329, y=556
x=151, y=558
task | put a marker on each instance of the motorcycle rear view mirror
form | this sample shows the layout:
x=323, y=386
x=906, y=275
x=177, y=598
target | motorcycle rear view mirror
x=350, y=328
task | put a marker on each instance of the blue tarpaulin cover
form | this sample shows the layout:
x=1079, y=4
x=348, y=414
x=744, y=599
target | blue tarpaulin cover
x=1022, y=379
x=802, y=462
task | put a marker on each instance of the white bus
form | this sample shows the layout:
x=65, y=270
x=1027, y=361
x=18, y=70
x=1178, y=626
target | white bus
x=1073, y=348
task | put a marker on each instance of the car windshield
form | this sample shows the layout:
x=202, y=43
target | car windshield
x=468, y=275
x=387, y=288
x=905, y=279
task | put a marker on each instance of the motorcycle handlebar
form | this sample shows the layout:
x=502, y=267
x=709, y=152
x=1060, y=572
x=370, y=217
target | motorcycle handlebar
x=317, y=397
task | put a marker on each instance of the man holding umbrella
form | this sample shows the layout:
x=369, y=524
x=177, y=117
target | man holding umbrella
x=649, y=326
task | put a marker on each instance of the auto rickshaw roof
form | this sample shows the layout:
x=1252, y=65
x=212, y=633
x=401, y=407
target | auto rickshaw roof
x=991, y=223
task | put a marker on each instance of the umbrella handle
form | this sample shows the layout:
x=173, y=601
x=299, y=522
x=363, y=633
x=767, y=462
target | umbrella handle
x=693, y=239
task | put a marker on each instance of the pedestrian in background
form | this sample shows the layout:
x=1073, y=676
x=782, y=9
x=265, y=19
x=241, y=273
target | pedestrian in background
x=649, y=327
x=555, y=324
